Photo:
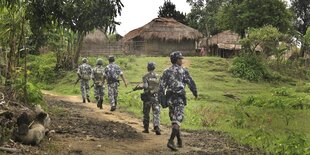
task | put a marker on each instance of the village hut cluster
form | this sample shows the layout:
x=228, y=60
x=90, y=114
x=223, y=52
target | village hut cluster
x=161, y=36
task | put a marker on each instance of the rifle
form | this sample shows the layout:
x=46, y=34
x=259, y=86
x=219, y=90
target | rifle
x=137, y=87
x=77, y=80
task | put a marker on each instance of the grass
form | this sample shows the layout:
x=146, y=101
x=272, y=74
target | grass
x=217, y=105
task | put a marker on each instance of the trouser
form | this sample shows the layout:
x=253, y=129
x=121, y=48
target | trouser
x=99, y=91
x=113, y=93
x=176, y=110
x=147, y=106
x=84, y=88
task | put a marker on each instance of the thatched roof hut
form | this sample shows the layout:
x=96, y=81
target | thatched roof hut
x=224, y=44
x=161, y=36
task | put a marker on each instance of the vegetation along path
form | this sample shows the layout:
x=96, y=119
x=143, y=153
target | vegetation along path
x=85, y=129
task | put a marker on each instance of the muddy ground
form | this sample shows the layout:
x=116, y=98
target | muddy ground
x=84, y=129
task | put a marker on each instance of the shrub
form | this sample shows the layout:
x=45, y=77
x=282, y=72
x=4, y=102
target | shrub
x=250, y=67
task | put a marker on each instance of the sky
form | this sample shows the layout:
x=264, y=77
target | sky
x=137, y=13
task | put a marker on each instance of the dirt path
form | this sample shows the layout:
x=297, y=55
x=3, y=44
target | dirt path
x=85, y=129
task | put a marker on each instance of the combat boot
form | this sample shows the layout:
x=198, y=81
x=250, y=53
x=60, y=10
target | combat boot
x=88, y=100
x=100, y=103
x=171, y=145
x=179, y=143
x=157, y=130
x=113, y=108
x=146, y=129
x=83, y=100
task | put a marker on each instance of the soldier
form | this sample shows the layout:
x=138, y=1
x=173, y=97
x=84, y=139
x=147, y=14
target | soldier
x=112, y=72
x=98, y=78
x=84, y=74
x=150, y=98
x=173, y=82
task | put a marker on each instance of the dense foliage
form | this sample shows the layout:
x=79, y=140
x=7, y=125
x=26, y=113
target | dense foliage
x=168, y=11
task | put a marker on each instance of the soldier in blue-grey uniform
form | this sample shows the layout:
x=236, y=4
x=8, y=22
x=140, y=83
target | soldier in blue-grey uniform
x=150, y=98
x=84, y=73
x=172, y=94
x=112, y=73
x=98, y=78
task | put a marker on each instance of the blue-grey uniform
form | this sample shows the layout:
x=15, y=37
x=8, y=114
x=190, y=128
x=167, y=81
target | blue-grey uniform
x=98, y=78
x=84, y=72
x=150, y=85
x=112, y=73
x=172, y=94
x=173, y=81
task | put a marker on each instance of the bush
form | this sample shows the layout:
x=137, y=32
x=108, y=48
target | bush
x=249, y=66
x=34, y=95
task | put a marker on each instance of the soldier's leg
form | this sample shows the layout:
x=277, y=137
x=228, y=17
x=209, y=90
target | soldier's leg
x=101, y=89
x=180, y=117
x=176, y=113
x=82, y=87
x=96, y=92
x=87, y=90
x=116, y=94
x=156, y=117
x=146, y=116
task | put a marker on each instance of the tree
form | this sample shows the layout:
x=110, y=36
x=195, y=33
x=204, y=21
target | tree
x=239, y=15
x=79, y=16
x=168, y=11
x=266, y=37
x=301, y=10
x=203, y=15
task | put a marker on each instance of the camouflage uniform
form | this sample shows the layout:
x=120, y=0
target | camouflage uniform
x=173, y=82
x=98, y=78
x=150, y=85
x=112, y=72
x=84, y=72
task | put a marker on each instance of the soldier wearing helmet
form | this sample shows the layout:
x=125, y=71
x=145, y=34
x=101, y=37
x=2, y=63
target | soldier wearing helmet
x=172, y=94
x=112, y=73
x=84, y=73
x=98, y=78
x=150, y=98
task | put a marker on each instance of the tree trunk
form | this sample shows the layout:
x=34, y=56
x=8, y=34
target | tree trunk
x=80, y=39
x=10, y=66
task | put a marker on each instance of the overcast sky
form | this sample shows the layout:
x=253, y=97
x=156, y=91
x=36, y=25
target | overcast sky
x=137, y=13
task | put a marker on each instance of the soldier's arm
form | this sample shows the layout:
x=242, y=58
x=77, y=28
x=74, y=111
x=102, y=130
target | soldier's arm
x=145, y=84
x=191, y=83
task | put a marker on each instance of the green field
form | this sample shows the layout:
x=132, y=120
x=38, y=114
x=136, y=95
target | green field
x=222, y=102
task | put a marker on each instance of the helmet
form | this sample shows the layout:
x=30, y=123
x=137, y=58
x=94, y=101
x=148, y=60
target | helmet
x=84, y=60
x=150, y=65
x=99, y=61
x=111, y=58
x=174, y=56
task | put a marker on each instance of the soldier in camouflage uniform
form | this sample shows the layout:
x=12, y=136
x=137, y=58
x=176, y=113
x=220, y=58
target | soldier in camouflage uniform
x=98, y=78
x=150, y=98
x=84, y=73
x=112, y=72
x=173, y=82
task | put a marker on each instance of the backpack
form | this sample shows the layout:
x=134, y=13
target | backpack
x=98, y=74
x=111, y=74
x=85, y=73
x=153, y=84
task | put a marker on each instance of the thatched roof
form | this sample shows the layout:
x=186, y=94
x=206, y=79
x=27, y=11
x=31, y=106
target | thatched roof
x=163, y=29
x=224, y=40
x=95, y=37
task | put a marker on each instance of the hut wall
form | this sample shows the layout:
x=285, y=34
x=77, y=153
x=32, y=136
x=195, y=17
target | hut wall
x=159, y=47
